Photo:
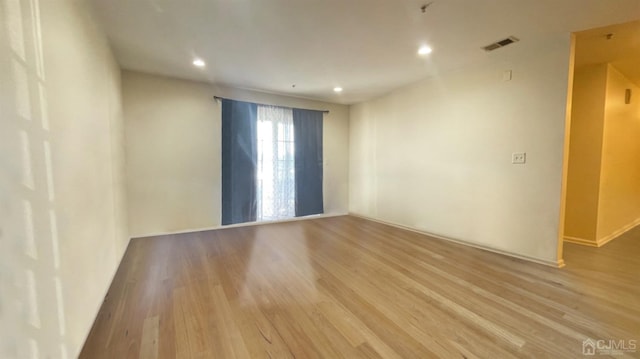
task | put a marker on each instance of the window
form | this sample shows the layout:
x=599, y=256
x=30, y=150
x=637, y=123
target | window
x=271, y=162
x=276, y=185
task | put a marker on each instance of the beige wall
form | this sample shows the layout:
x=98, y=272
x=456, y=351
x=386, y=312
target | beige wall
x=619, y=205
x=585, y=151
x=436, y=156
x=173, y=151
x=62, y=220
x=603, y=191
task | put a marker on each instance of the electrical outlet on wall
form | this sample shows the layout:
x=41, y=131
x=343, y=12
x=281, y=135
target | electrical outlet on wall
x=519, y=158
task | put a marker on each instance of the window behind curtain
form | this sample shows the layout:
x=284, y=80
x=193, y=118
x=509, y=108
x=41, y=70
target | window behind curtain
x=271, y=162
x=276, y=184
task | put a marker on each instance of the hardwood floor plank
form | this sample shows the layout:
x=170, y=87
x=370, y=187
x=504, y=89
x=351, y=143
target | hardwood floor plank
x=404, y=264
x=150, y=337
x=346, y=287
x=262, y=339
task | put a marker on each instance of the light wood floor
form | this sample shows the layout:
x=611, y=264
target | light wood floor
x=345, y=287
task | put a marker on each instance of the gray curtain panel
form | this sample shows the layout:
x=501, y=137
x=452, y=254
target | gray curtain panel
x=239, y=158
x=307, y=126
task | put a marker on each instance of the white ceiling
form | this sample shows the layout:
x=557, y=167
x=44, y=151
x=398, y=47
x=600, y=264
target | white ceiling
x=366, y=46
x=622, y=49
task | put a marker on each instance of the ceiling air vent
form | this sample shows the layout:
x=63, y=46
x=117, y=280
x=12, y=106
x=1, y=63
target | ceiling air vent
x=498, y=44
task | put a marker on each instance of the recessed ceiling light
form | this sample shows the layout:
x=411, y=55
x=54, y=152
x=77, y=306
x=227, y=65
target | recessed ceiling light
x=424, y=50
x=337, y=89
x=198, y=63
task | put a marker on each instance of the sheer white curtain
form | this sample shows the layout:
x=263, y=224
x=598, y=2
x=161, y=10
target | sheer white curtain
x=276, y=185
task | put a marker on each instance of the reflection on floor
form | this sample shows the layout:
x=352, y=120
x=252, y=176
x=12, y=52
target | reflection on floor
x=347, y=287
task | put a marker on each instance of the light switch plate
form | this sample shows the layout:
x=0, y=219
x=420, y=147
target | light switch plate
x=519, y=158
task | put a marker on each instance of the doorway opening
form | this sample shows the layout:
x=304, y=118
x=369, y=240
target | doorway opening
x=601, y=198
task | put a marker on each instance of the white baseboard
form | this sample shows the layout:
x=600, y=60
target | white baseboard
x=581, y=241
x=618, y=233
x=604, y=240
x=246, y=224
x=558, y=264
